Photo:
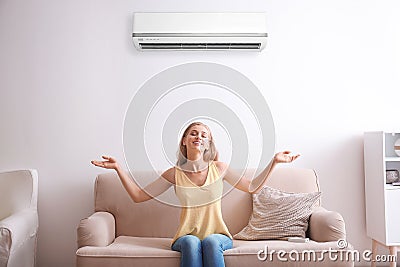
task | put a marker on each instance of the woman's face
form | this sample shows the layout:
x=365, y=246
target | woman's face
x=197, y=138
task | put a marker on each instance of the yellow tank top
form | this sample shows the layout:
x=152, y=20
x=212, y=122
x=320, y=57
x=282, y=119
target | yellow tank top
x=201, y=205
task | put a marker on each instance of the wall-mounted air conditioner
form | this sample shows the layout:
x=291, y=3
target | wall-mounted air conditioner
x=199, y=31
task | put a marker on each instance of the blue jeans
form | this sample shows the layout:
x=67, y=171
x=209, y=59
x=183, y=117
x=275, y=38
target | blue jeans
x=196, y=252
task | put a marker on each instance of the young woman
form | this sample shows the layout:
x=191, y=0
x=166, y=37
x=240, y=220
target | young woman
x=202, y=235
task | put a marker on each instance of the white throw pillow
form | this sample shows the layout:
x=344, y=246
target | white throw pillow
x=278, y=215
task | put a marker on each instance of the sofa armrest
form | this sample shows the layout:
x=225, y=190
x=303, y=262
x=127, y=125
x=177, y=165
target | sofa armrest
x=325, y=226
x=15, y=230
x=97, y=230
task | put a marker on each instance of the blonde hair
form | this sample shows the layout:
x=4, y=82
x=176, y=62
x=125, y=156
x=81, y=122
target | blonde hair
x=209, y=153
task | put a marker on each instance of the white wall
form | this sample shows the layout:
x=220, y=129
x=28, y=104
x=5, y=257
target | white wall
x=68, y=70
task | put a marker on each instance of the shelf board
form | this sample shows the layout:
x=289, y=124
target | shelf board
x=392, y=187
x=392, y=158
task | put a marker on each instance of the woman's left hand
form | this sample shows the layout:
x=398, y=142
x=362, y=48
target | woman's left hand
x=285, y=157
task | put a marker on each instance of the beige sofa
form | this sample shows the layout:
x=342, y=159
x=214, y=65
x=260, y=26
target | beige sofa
x=124, y=233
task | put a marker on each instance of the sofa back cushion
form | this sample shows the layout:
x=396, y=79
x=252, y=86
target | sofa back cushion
x=156, y=219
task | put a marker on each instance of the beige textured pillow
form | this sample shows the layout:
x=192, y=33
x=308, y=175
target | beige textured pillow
x=278, y=215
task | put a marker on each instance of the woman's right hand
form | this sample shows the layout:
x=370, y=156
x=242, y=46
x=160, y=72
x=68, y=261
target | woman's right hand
x=107, y=163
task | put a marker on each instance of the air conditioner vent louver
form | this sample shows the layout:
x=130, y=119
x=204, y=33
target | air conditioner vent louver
x=199, y=31
x=199, y=46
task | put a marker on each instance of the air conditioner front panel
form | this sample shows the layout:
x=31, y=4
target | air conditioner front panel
x=194, y=23
x=199, y=31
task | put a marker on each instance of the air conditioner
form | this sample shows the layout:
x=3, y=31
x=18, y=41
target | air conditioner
x=199, y=31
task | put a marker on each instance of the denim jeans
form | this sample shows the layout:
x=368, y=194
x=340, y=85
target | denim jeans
x=198, y=253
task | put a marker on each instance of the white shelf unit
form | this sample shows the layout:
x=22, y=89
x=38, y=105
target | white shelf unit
x=382, y=200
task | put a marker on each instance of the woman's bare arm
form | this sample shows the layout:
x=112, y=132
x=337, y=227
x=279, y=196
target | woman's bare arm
x=138, y=194
x=243, y=183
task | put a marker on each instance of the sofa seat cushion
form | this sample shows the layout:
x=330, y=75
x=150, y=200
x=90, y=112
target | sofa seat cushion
x=157, y=252
x=253, y=247
x=129, y=246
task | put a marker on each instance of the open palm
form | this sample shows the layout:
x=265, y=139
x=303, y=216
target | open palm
x=107, y=163
x=285, y=157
